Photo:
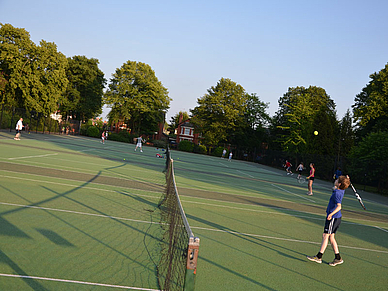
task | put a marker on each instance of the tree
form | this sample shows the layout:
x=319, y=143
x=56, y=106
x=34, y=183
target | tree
x=33, y=77
x=256, y=115
x=370, y=159
x=220, y=112
x=301, y=112
x=372, y=102
x=371, y=105
x=135, y=94
x=84, y=92
x=346, y=135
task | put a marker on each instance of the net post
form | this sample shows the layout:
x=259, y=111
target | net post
x=191, y=266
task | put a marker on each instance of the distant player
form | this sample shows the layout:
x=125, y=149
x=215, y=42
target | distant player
x=300, y=168
x=311, y=178
x=333, y=221
x=103, y=138
x=230, y=156
x=288, y=166
x=223, y=154
x=19, y=128
x=139, y=144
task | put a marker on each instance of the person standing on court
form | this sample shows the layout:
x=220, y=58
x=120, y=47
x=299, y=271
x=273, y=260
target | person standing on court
x=311, y=179
x=230, y=156
x=19, y=127
x=223, y=154
x=333, y=221
x=139, y=141
x=300, y=168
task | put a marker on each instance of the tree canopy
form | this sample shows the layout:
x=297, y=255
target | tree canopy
x=220, y=111
x=33, y=77
x=84, y=92
x=301, y=112
x=135, y=94
x=370, y=109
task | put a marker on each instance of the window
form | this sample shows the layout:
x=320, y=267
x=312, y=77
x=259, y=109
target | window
x=187, y=131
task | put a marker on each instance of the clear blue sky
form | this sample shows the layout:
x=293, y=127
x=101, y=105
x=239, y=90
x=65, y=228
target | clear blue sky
x=265, y=46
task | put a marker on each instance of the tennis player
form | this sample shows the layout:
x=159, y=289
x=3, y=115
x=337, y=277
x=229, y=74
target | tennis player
x=19, y=127
x=311, y=179
x=139, y=141
x=333, y=221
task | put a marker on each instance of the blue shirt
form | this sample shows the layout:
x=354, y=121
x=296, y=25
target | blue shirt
x=335, y=198
x=338, y=173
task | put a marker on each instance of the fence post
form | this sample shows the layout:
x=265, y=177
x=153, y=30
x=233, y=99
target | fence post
x=13, y=113
x=1, y=118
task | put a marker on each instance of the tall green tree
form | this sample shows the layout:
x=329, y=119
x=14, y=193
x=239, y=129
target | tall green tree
x=136, y=95
x=84, y=92
x=220, y=111
x=346, y=135
x=301, y=112
x=370, y=109
x=33, y=77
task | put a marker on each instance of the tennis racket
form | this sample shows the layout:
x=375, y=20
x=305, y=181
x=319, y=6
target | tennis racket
x=301, y=180
x=357, y=196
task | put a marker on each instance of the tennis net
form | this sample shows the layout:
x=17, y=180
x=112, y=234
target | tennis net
x=179, y=248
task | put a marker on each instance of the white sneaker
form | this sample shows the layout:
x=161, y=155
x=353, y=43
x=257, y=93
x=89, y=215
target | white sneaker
x=141, y=151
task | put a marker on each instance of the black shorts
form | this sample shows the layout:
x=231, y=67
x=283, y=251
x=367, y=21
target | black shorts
x=311, y=178
x=331, y=226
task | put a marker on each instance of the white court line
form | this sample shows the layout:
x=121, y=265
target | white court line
x=284, y=239
x=28, y=157
x=78, y=212
x=293, y=193
x=75, y=282
x=245, y=173
x=188, y=197
x=224, y=164
x=193, y=227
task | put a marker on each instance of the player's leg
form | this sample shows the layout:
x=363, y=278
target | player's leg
x=337, y=259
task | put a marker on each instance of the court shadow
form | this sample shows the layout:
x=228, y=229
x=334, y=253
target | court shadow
x=54, y=237
x=8, y=229
x=34, y=285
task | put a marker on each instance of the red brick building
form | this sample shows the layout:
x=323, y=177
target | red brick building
x=185, y=131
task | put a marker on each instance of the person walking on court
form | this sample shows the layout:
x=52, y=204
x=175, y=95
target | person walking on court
x=223, y=154
x=333, y=221
x=139, y=141
x=103, y=138
x=19, y=127
x=300, y=168
x=230, y=156
x=311, y=179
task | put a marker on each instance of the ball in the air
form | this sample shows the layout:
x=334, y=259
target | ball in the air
x=124, y=159
x=315, y=132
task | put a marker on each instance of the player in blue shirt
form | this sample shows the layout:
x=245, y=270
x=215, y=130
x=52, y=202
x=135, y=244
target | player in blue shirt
x=333, y=221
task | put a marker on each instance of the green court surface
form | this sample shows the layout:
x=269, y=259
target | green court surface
x=76, y=216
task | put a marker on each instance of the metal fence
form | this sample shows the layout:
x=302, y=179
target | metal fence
x=37, y=122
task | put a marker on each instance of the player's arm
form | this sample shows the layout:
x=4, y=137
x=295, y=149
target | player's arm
x=338, y=208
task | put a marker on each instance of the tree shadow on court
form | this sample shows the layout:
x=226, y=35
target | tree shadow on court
x=94, y=211
x=19, y=271
x=259, y=242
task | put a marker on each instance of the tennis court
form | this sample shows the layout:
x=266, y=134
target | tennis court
x=76, y=216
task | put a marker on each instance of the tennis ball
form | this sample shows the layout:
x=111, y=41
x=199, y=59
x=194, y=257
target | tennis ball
x=124, y=159
x=316, y=132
